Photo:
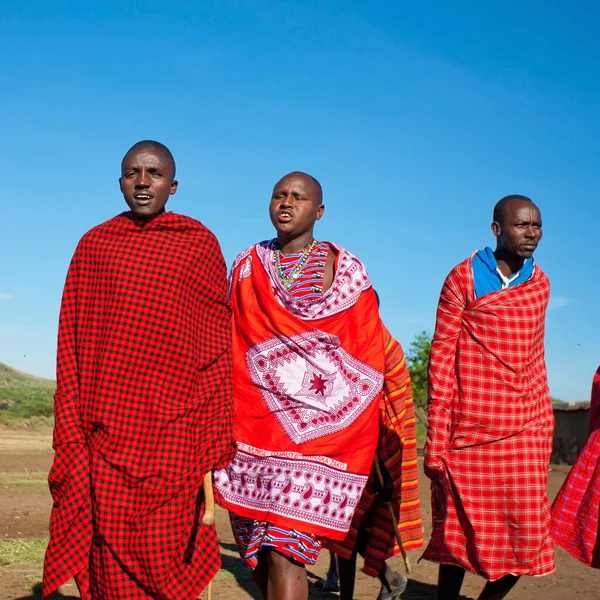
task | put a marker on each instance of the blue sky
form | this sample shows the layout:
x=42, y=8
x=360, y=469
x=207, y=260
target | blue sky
x=416, y=118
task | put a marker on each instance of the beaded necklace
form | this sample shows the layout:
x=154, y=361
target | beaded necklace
x=288, y=280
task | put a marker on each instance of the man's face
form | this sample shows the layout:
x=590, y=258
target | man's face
x=147, y=181
x=295, y=206
x=521, y=229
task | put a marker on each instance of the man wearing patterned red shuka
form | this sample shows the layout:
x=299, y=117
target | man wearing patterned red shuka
x=490, y=424
x=309, y=359
x=143, y=402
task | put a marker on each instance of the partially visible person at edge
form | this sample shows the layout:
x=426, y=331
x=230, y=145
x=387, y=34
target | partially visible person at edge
x=576, y=509
x=308, y=353
x=143, y=405
x=372, y=531
x=490, y=416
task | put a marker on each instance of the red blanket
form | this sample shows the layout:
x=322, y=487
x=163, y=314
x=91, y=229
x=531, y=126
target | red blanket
x=307, y=387
x=490, y=429
x=576, y=510
x=142, y=408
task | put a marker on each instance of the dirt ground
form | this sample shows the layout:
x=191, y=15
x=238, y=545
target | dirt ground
x=25, y=458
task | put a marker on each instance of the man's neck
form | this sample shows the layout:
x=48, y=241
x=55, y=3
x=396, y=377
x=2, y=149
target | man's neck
x=295, y=245
x=147, y=218
x=508, y=264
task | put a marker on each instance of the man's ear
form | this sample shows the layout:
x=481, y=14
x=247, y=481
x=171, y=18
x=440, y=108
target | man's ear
x=496, y=228
x=120, y=185
x=173, y=188
x=320, y=211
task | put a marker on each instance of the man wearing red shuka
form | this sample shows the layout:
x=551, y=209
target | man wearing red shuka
x=308, y=349
x=143, y=401
x=490, y=423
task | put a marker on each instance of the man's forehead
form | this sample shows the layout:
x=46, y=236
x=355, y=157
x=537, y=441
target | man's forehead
x=296, y=180
x=146, y=156
x=520, y=207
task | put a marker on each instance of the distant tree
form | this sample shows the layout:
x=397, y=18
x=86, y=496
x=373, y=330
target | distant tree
x=417, y=359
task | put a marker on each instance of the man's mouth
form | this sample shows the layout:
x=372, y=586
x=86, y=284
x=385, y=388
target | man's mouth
x=142, y=199
x=284, y=216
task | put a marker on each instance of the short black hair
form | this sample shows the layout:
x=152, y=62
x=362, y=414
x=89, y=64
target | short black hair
x=313, y=179
x=319, y=186
x=504, y=202
x=154, y=145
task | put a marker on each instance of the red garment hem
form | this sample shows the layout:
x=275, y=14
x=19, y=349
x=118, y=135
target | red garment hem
x=281, y=521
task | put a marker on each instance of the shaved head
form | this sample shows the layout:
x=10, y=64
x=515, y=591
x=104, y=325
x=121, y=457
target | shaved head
x=153, y=146
x=502, y=204
x=309, y=179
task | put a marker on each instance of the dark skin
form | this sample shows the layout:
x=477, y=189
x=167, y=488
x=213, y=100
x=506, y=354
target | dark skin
x=517, y=236
x=278, y=577
x=147, y=181
x=296, y=205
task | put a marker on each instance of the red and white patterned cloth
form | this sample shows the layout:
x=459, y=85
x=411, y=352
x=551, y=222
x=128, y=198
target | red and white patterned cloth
x=490, y=429
x=308, y=379
x=576, y=509
x=142, y=408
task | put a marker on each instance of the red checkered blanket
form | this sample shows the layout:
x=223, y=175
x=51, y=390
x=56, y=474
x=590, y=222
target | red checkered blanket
x=142, y=408
x=576, y=510
x=490, y=429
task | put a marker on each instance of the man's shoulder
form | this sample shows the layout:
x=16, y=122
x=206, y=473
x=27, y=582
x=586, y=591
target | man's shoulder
x=98, y=231
x=462, y=269
x=264, y=245
x=541, y=274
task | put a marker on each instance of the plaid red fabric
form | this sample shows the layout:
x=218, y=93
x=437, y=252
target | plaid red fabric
x=490, y=429
x=142, y=408
x=576, y=509
x=397, y=449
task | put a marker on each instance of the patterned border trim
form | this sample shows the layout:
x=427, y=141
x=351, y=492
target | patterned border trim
x=335, y=464
x=350, y=280
x=297, y=489
x=238, y=259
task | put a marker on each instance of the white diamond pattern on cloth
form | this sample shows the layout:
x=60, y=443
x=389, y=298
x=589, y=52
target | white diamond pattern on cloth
x=311, y=384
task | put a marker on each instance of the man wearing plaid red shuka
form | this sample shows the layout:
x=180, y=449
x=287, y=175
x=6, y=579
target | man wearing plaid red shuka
x=309, y=358
x=490, y=424
x=143, y=401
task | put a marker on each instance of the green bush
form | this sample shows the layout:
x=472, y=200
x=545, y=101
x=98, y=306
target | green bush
x=19, y=403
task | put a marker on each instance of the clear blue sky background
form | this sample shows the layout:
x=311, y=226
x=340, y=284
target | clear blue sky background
x=415, y=116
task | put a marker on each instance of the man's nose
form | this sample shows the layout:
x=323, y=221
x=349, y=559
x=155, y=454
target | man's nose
x=143, y=180
x=530, y=232
x=286, y=201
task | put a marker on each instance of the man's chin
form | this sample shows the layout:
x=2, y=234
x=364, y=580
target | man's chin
x=144, y=212
x=526, y=253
